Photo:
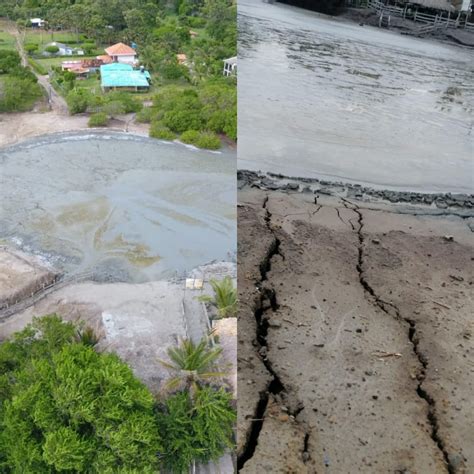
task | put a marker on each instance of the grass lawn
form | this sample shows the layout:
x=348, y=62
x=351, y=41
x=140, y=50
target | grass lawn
x=7, y=41
x=42, y=37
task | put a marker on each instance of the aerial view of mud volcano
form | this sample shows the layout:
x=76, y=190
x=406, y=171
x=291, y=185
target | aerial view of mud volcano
x=117, y=207
x=105, y=228
x=356, y=249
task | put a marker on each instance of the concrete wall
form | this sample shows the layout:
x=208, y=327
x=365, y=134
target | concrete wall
x=126, y=59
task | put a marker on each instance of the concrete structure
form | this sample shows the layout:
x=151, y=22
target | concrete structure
x=122, y=53
x=122, y=76
x=230, y=66
x=21, y=276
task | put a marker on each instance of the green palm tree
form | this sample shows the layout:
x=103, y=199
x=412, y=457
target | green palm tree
x=225, y=297
x=193, y=365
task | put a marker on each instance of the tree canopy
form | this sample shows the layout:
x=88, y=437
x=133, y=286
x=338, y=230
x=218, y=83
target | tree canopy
x=66, y=408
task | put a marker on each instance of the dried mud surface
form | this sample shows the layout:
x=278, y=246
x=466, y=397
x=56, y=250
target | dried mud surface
x=355, y=350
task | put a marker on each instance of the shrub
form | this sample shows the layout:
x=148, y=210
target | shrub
x=145, y=115
x=95, y=102
x=225, y=297
x=190, y=136
x=99, y=119
x=181, y=109
x=196, y=430
x=113, y=108
x=31, y=48
x=9, y=60
x=18, y=94
x=77, y=101
x=89, y=48
x=66, y=408
x=130, y=103
x=87, y=336
x=208, y=140
x=183, y=119
x=158, y=130
x=51, y=49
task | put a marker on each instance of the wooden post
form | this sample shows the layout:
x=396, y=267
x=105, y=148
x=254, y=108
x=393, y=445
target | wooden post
x=416, y=11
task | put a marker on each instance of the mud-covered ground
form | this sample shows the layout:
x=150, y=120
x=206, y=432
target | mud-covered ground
x=355, y=342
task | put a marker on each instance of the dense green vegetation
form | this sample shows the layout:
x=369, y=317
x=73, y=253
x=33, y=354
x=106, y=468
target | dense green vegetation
x=192, y=94
x=99, y=119
x=196, y=422
x=195, y=429
x=197, y=113
x=65, y=407
x=18, y=85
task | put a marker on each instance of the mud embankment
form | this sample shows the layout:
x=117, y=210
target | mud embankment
x=428, y=201
x=355, y=331
x=17, y=127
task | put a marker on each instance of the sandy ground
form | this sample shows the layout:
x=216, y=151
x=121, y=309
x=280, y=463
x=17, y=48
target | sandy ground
x=355, y=349
x=15, y=128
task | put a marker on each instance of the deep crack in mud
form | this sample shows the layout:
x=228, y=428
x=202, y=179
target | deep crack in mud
x=267, y=303
x=412, y=336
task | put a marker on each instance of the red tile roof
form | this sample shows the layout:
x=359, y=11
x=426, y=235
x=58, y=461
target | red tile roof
x=120, y=49
x=105, y=59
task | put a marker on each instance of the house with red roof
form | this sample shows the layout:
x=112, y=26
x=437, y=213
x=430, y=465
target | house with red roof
x=121, y=53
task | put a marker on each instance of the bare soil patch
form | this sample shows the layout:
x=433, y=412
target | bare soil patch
x=355, y=336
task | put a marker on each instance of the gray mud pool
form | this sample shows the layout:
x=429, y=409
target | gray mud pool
x=118, y=207
x=326, y=98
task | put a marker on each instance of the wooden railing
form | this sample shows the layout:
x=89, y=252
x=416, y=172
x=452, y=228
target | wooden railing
x=430, y=22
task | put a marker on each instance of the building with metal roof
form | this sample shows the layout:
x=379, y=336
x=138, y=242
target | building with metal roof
x=123, y=77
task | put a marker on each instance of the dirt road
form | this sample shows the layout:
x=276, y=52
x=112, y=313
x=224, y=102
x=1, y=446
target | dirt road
x=355, y=337
x=56, y=102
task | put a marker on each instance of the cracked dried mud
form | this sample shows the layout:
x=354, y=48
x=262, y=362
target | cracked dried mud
x=356, y=348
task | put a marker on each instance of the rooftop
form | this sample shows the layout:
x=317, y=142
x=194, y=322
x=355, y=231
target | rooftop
x=232, y=60
x=120, y=49
x=123, y=75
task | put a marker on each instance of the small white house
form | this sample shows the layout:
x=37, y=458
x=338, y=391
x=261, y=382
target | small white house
x=37, y=22
x=230, y=66
x=65, y=49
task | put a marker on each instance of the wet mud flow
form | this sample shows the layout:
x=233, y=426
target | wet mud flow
x=358, y=104
x=115, y=207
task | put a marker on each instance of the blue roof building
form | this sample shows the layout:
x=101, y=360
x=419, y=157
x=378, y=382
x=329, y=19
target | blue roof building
x=123, y=76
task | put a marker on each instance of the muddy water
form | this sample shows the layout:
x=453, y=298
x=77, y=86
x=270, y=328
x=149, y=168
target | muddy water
x=324, y=97
x=120, y=207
